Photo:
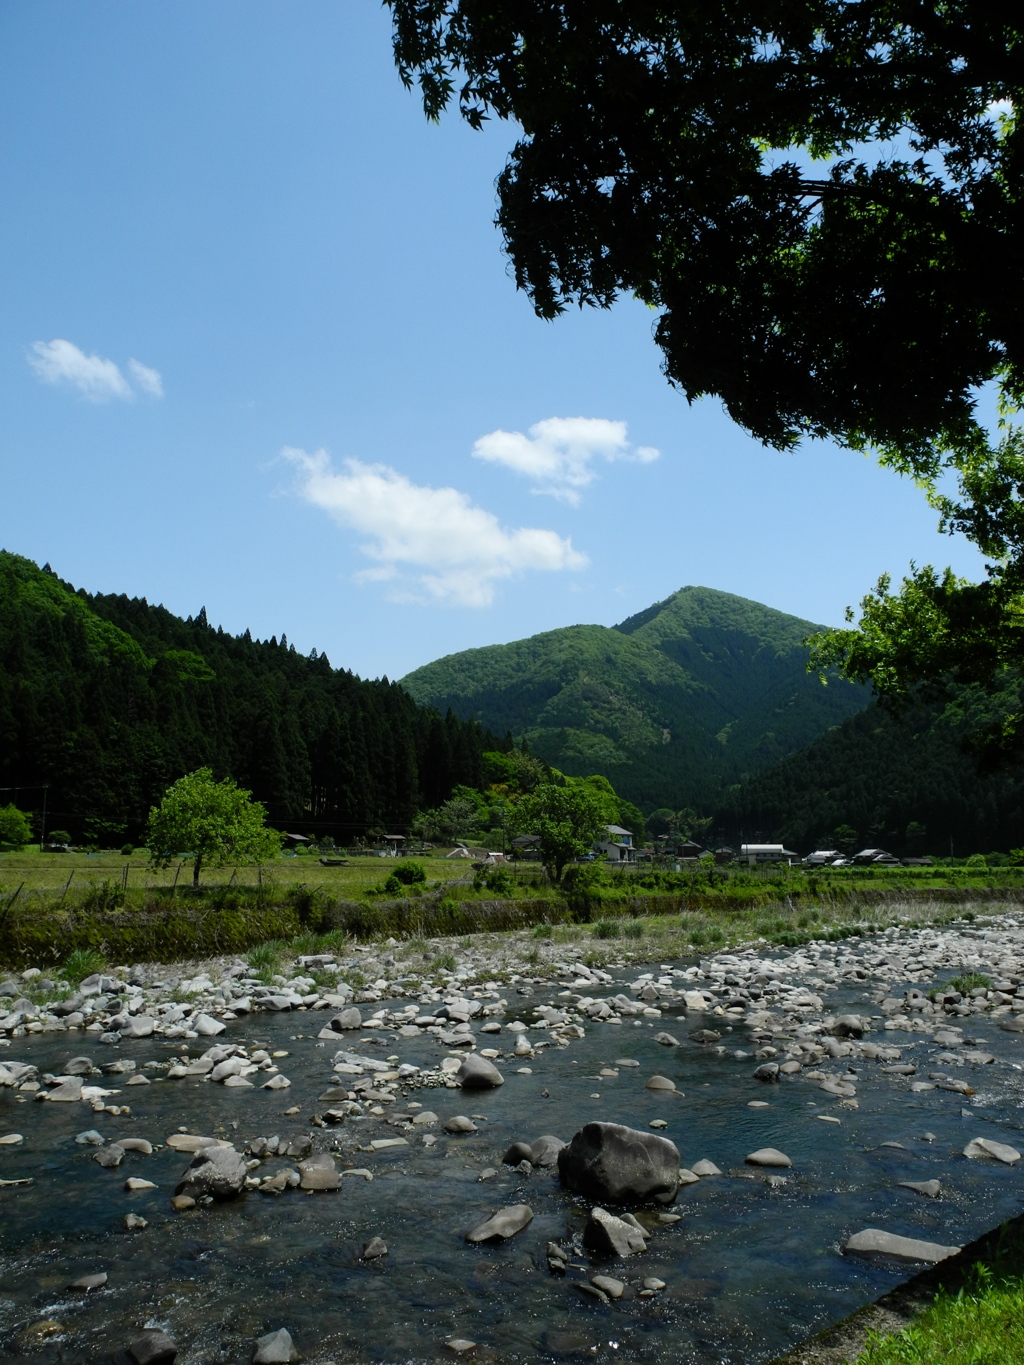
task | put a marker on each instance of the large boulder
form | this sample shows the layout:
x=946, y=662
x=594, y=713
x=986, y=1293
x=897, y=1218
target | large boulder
x=477, y=1073
x=138, y=1026
x=216, y=1171
x=613, y=1163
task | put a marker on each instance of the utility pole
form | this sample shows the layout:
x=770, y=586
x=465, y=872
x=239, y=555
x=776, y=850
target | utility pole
x=42, y=828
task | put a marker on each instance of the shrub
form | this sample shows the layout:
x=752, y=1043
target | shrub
x=266, y=955
x=634, y=929
x=444, y=962
x=127, y=850
x=500, y=881
x=81, y=963
x=407, y=872
x=103, y=896
x=606, y=928
x=393, y=886
x=969, y=981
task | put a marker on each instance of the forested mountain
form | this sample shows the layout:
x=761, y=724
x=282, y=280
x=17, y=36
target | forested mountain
x=109, y=699
x=672, y=705
x=908, y=785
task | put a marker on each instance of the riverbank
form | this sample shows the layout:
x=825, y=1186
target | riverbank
x=871, y=1061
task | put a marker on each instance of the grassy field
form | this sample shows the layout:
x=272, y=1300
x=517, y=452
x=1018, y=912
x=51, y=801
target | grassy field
x=50, y=872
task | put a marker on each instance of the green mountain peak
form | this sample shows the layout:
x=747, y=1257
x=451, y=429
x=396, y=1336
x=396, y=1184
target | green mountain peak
x=674, y=704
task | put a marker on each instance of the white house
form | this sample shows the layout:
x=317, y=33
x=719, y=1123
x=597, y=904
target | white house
x=618, y=847
x=766, y=853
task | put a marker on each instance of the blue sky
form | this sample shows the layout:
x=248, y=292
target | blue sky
x=259, y=351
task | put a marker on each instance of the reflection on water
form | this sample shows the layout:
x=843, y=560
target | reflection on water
x=749, y=1268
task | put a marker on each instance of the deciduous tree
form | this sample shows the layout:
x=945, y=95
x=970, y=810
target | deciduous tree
x=213, y=822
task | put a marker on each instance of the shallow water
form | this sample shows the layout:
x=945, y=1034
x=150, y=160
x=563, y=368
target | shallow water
x=750, y=1269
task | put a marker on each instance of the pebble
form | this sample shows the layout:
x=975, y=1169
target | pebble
x=652, y=1282
x=14, y=1139
x=658, y=1123
x=134, y=1183
x=181, y=1202
x=134, y=1222
x=85, y=1283
x=460, y=1345
x=374, y=1248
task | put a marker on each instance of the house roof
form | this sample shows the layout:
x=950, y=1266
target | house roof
x=617, y=829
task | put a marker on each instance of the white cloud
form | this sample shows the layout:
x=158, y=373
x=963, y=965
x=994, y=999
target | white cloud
x=61, y=362
x=149, y=381
x=99, y=380
x=558, y=453
x=429, y=543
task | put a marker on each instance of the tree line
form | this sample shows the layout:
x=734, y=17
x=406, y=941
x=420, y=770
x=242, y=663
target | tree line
x=107, y=700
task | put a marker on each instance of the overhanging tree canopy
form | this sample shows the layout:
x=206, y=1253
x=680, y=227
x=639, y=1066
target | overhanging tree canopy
x=818, y=197
x=823, y=200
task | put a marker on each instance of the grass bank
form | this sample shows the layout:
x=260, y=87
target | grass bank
x=968, y=1310
x=172, y=924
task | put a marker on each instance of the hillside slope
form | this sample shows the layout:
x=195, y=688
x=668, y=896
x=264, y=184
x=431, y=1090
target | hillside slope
x=905, y=785
x=673, y=705
x=109, y=699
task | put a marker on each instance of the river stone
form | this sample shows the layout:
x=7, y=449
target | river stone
x=612, y=1236
x=666, y=1040
x=768, y=1156
x=981, y=1147
x=458, y=1123
x=347, y=1019
x=613, y=1288
x=207, y=1027
x=504, y=1224
x=277, y=1082
x=426, y=1118
x=610, y=1161
x=153, y=1347
x=544, y=1151
x=767, y=1072
x=181, y=1202
x=90, y=1138
x=477, y=1073
x=78, y=1066
x=705, y=1168
x=888, y=1246
x=216, y=1171
x=374, y=1248
x=86, y=1282
x=138, y=1026
x=704, y=1036
x=519, y=1151
x=1015, y=1025
x=841, y=1089
x=189, y=1142
x=133, y=1223
x=848, y=1026
x=930, y=1188
x=319, y=1173
x=231, y=1067
x=660, y=1083
x=276, y=1348
x=68, y=1092
x=109, y=1157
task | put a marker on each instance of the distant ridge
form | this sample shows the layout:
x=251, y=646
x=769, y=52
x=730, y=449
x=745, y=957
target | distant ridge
x=675, y=704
